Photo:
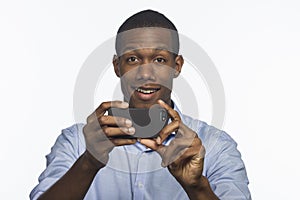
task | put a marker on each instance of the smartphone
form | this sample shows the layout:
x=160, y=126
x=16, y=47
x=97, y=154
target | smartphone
x=147, y=122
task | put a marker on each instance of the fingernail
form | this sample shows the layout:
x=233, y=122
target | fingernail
x=161, y=101
x=131, y=130
x=128, y=122
x=158, y=140
x=125, y=104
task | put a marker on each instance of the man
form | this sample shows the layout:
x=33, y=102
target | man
x=89, y=162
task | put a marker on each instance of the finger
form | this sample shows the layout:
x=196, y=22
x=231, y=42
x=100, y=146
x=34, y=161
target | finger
x=150, y=143
x=173, y=126
x=107, y=120
x=195, y=152
x=186, y=132
x=103, y=107
x=176, y=149
x=173, y=114
x=117, y=131
x=121, y=142
x=106, y=105
x=166, y=131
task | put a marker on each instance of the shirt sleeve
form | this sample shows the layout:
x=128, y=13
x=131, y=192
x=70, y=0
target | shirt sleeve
x=63, y=155
x=225, y=170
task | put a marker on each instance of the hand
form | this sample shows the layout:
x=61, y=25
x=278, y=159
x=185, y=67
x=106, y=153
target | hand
x=100, y=129
x=184, y=155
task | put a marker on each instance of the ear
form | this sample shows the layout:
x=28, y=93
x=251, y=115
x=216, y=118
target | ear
x=178, y=65
x=116, y=62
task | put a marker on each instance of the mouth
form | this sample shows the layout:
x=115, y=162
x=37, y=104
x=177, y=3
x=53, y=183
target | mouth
x=146, y=93
x=146, y=90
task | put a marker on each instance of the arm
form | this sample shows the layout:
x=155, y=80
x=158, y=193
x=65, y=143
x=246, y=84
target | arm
x=201, y=191
x=76, y=182
x=226, y=176
x=98, y=133
x=184, y=156
x=225, y=168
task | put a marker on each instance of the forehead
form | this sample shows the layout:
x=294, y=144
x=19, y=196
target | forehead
x=145, y=38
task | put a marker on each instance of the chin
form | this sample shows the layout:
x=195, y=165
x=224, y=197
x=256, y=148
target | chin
x=139, y=103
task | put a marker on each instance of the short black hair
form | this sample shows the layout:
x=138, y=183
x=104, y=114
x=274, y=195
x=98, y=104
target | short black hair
x=150, y=18
x=147, y=18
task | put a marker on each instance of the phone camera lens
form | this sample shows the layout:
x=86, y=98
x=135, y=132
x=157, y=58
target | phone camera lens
x=163, y=115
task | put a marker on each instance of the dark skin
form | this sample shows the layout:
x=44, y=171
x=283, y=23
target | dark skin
x=149, y=69
x=184, y=156
x=99, y=128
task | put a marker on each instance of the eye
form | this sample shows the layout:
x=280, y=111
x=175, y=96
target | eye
x=160, y=60
x=132, y=59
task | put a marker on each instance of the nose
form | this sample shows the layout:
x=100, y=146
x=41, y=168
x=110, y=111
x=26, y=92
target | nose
x=145, y=72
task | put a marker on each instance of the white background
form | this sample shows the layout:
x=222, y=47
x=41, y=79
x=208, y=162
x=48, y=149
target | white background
x=255, y=46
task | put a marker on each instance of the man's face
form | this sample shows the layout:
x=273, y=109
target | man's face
x=147, y=66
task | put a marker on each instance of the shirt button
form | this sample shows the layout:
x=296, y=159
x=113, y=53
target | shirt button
x=140, y=185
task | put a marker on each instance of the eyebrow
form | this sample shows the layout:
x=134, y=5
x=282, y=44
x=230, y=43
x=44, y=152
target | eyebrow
x=135, y=49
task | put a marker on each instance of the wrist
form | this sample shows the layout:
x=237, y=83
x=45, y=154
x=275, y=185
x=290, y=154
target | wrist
x=202, y=190
x=90, y=162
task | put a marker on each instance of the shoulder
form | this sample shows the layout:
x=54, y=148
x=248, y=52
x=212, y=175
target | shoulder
x=223, y=165
x=70, y=140
x=66, y=150
x=72, y=133
x=210, y=136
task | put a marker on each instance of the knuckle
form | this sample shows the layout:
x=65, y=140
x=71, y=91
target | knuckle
x=173, y=142
x=90, y=118
x=117, y=102
x=123, y=121
x=104, y=105
x=163, y=132
x=177, y=123
x=132, y=141
x=175, y=113
x=106, y=130
x=115, y=142
x=178, y=119
x=125, y=130
x=119, y=120
x=85, y=129
x=197, y=141
x=103, y=119
x=202, y=150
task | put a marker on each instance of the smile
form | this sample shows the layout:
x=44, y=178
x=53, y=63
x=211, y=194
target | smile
x=146, y=91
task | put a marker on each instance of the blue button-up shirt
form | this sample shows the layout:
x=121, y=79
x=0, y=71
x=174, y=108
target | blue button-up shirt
x=135, y=172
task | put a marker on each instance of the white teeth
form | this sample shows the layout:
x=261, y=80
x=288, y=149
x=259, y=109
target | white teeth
x=145, y=91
